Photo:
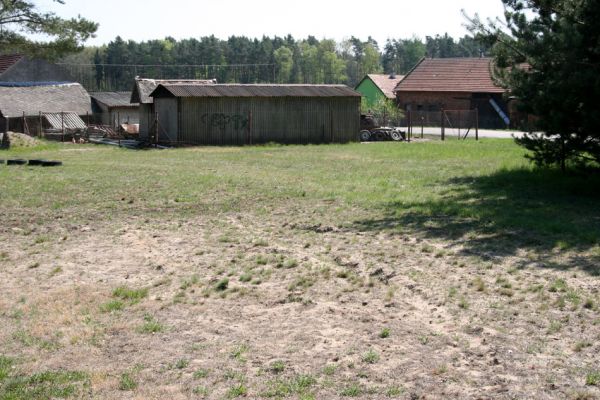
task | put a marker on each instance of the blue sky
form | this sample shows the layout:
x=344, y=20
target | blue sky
x=382, y=19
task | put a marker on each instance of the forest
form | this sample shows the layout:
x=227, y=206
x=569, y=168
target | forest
x=241, y=59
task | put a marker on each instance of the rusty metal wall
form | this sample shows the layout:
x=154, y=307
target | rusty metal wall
x=288, y=120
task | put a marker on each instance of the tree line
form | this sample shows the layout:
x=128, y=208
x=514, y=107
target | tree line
x=245, y=60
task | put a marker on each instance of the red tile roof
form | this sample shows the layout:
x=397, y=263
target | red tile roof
x=8, y=61
x=386, y=83
x=466, y=75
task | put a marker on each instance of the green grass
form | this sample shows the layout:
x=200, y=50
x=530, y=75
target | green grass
x=300, y=385
x=127, y=382
x=593, y=378
x=370, y=357
x=484, y=190
x=112, y=306
x=150, y=325
x=131, y=295
x=40, y=386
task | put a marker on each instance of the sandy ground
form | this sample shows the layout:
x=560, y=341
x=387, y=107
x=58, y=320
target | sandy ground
x=303, y=315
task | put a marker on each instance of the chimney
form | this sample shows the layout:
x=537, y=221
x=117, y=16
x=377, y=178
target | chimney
x=393, y=75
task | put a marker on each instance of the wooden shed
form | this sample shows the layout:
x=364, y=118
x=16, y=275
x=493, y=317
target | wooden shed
x=140, y=95
x=38, y=106
x=114, y=108
x=236, y=114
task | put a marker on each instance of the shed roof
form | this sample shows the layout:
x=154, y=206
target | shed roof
x=254, y=90
x=144, y=87
x=466, y=75
x=7, y=61
x=114, y=99
x=385, y=83
x=47, y=98
x=67, y=120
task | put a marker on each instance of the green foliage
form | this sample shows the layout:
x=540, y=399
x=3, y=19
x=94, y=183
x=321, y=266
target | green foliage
x=549, y=61
x=273, y=59
x=385, y=111
x=127, y=382
x=370, y=357
x=222, y=285
x=150, y=325
x=19, y=17
x=132, y=295
x=593, y=378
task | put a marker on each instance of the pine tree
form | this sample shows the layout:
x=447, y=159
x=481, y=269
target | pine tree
x=550, y=60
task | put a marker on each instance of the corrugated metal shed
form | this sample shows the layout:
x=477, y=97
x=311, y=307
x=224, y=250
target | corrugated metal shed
x=144, y=87
x=256, y=90
x=236, y=114
x=46, y=98
x=114, y=99
x=459, y=75
x=66, y=120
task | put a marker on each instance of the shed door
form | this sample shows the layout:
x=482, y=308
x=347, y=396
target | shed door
x=167, y=119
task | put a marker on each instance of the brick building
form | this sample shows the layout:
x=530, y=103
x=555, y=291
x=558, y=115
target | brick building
x=455, y=84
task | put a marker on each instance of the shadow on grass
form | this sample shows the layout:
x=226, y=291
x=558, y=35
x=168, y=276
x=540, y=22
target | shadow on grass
x=497, y=215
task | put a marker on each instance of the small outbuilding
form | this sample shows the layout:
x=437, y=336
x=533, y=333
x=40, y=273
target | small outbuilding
x=375, y=87
x=140, y=95
x=20, y=68
x=238, y=114
x=114, y=109
x=36, y=106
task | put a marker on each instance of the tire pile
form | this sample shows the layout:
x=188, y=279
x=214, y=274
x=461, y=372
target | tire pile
x=41, y=163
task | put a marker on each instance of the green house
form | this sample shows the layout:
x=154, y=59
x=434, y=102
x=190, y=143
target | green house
x=375, y=87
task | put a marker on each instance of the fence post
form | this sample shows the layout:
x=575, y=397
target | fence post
x=156, y=124
x=24, y=122
x=459, y=125
x=422, y=125
x=41, y=125
x=476, y=123
x=443, y=114
x=409, y=125
x=62, y=120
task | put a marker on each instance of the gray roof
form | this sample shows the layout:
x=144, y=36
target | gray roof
x=144, y=87
x=32, y=100
x=255, y=90
x=114, y=99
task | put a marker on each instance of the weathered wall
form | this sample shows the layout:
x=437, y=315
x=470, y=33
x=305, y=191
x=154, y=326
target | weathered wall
x=167, y=119
x=28, y=70
x=146, y=117
x=123, y=115
x=434, y=101
x=238, y=121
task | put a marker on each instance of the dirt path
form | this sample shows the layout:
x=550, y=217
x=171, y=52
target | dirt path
x=281, y=306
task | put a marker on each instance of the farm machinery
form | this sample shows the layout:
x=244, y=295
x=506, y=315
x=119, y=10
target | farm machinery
x=371, y=132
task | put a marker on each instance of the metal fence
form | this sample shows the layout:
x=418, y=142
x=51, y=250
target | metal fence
x=460, y=124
